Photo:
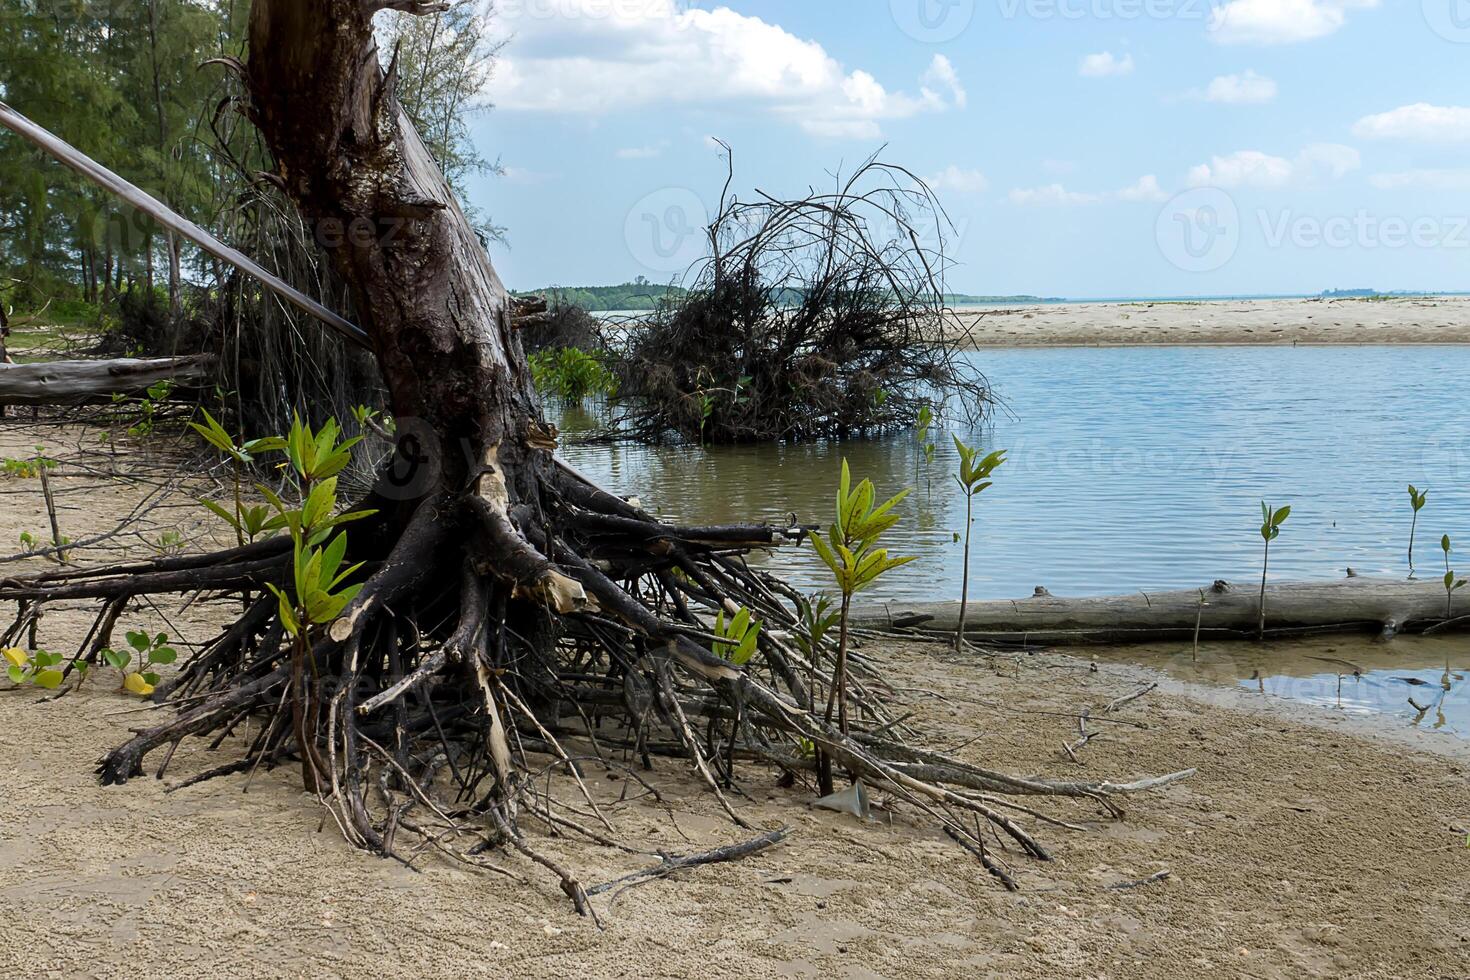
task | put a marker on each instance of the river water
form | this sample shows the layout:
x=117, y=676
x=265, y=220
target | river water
x=1130, y=468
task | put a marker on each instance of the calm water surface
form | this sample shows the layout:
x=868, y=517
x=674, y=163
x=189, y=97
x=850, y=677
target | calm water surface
x=1422, y=682
x=1131, y=468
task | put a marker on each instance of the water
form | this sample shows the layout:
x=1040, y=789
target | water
x=1423, y=682
x=1130, y=468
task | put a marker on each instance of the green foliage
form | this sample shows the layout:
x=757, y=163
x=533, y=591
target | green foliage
x=148, y=406
x=571, y=376
x=1417, y=499
x=28, y=468
x=144, y=652
x=818, y=618
x=639, y=295
x=975, y=473
x=250, y=521
x=974, y=478
x=319, y=593
x=1271, y=521
x=1452, y=584
x=850, y=550
x=37, y=669
x=741, y=635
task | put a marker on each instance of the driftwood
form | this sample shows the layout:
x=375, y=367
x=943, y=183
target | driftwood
x=76, y=382
x=1355, y=605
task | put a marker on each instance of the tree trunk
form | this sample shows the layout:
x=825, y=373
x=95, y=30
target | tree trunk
x=79, y=382
x=500, y=587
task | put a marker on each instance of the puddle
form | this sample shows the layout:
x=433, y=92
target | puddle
x=1422, y=682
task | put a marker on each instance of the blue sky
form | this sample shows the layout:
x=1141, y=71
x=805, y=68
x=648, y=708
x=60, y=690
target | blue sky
x=1083, y=148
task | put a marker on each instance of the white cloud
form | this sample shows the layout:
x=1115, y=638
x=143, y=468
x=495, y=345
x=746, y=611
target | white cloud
x=596, y=57
x=1435, y=180
x=1056, y=195
x=1105, y=65
x=1280, y=21
x=1421, y=122
x=1242, y=89
x=958, y=180
x=1147, y=189
x=1252, y=168
x=942, y=75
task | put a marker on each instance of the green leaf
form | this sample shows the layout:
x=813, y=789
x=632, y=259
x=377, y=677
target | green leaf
x=117, y=658
x=220, y=512
x=49, y=679
x=17, y=675
x=138, y=641
x=152, y=679
x=163, y=655
x=1281, y=515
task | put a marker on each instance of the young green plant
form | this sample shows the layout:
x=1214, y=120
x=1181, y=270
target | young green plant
x=248, y=521
x=1451, y=583
x=319, y=591
x=37, y=669
x=1271, y=521
x=1417, y=499
x=856, y=561
x=974, y=479
x=149, y=652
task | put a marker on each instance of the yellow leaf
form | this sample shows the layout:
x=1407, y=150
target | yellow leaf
x=137, y=685
x=17, y=657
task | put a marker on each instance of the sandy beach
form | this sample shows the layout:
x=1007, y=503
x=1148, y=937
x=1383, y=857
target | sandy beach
x=1308, y=842
x=1397, y=320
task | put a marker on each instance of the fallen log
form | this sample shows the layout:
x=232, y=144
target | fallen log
x=77, y=382
x=1354, y=605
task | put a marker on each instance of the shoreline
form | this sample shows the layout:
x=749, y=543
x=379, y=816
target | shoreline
x=1406, y=321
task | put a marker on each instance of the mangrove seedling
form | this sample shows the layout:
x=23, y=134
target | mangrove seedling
x=248, y=522
x=818, y=618
x=974, y=479
x=1271, y=521
x=318, y=590
x=1417, y=499
x=851, y=552
x=740, y=635
x=1451, y=584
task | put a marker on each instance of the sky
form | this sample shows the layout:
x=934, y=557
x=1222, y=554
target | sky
x=1081, y=148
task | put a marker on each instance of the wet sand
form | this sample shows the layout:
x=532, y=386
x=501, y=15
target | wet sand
x=1398, y=320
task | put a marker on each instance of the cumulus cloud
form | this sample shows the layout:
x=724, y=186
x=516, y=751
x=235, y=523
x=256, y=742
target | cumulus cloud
x=1280, y=21
x=1420, y=122
x=1252, y=168
x=959, y=180
x=1105, y=65
x=596, y=57
x=1056, y=195
x=1245, y=88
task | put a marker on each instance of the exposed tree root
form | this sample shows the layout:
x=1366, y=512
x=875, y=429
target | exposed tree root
x=457, y=667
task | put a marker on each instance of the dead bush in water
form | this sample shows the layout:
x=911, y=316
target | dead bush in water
x=815, y=318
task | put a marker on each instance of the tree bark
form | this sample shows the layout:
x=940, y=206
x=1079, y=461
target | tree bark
x=1349, y=605
x=79, y=382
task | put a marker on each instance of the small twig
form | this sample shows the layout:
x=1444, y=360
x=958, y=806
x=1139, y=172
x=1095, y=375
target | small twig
x=1154, y=878
x=673, y=863
x=1115, y=705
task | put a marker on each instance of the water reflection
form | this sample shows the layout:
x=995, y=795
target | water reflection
x=1129, y=468
x=1425, y=681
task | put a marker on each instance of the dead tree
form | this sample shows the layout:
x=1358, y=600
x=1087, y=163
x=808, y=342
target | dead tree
x=509, y=604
